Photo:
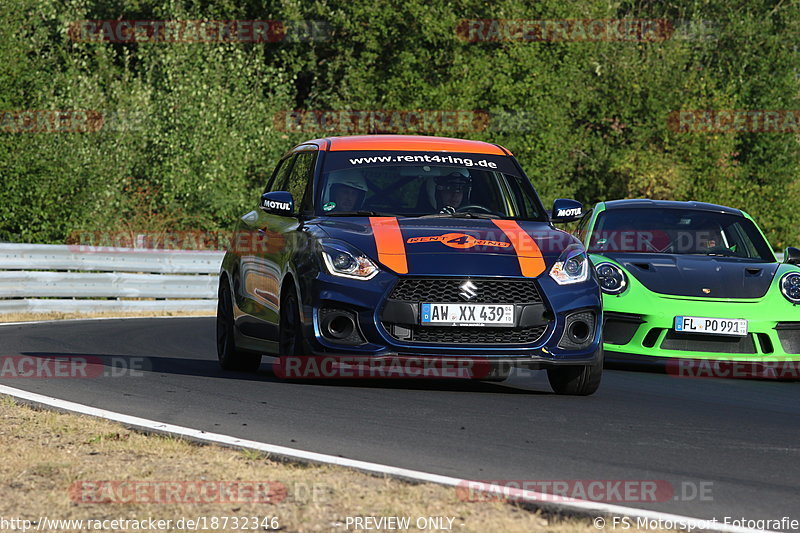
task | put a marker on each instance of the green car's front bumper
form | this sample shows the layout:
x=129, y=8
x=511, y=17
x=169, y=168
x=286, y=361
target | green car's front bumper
x=639, y=325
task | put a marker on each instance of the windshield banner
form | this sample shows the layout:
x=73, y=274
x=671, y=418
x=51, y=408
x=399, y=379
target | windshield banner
x=353, y=159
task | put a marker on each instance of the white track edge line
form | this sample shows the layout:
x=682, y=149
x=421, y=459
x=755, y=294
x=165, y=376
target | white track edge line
x=545, y=500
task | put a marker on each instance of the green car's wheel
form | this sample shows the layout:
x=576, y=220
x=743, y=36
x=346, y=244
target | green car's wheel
x=577, y=380
x=290, y=336
x=229, y=357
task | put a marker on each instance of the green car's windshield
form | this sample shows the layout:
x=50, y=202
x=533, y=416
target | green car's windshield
x=678, y=231
x=426, y=190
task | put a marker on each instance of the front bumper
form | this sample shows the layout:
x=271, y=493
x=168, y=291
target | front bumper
x=373, y=306
x=643, y=329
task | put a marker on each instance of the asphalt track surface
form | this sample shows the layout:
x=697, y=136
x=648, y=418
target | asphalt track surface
x=741, y=438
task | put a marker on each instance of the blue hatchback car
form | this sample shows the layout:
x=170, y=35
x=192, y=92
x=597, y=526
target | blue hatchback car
x=391, y=246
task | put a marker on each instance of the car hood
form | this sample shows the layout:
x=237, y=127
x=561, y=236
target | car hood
x=698, y=275
x=447, y=246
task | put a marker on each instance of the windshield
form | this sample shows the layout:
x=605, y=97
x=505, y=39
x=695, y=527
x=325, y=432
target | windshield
x=458, y=188
x=678, y=231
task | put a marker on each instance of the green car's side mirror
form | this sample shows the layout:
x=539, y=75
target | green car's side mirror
x=791, y=256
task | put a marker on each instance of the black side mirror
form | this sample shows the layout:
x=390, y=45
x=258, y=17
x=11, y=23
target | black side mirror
x=278, y=203
x=566, y=211
x=791, y=256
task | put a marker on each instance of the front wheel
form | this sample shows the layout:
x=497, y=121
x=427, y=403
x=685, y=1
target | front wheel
x=577, y=380
x=229, y=357
x=291, y=332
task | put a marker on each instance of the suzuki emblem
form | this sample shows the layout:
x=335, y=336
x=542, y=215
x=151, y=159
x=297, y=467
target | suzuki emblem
x=468, y=290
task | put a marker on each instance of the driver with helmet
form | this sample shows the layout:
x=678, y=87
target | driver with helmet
x=449, y=192
x=346, y=191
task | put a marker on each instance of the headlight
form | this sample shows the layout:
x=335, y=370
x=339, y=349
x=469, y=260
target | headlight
x=572, y=267
x=790, y=287
x=346, y=261
x=612, y=279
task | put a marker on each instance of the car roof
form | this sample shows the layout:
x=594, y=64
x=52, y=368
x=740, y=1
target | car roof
x=405, y=142
x=670, y=204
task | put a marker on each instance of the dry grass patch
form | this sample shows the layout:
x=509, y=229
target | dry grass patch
x=44, y=453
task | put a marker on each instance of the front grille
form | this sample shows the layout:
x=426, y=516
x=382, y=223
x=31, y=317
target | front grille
x=470, y=334
x=438, y=290
x=692, y=342
x=446, y=290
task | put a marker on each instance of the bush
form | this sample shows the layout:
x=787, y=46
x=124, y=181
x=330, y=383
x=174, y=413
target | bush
x=193, y=123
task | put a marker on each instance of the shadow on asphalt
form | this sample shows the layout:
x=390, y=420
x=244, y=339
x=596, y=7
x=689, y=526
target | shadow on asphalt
x=124, y=365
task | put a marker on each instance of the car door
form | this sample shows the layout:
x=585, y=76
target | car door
x=273, y=246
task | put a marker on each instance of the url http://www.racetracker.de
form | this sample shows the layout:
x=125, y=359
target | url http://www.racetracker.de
x=784, y=523
x=198, y=523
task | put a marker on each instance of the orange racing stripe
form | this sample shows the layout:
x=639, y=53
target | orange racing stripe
x=389, y=242
x=530, y=257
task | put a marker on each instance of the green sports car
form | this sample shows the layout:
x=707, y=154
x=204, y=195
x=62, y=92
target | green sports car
x=691, y=281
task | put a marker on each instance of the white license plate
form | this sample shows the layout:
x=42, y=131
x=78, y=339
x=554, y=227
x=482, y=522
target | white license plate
x=466, y=315
x=736, y=327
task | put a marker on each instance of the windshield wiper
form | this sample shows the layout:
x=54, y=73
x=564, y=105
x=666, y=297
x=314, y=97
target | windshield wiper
x=461, y=215
x=360, y=214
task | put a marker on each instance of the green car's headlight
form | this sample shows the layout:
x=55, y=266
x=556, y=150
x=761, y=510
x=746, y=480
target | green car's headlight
x=571, y=267
x=790, y=287
x=344, y=260
x=612, y=279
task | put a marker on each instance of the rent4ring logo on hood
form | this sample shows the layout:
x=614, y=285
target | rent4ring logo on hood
x=459, y=240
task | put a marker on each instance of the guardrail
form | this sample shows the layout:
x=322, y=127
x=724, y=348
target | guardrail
x=57, y=278
x=44, y=278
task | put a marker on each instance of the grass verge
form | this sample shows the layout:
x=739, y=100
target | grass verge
x=47, y=454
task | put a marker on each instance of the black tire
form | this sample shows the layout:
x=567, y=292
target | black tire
x=290, y=337
x=229, y=357
x=577, y=380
